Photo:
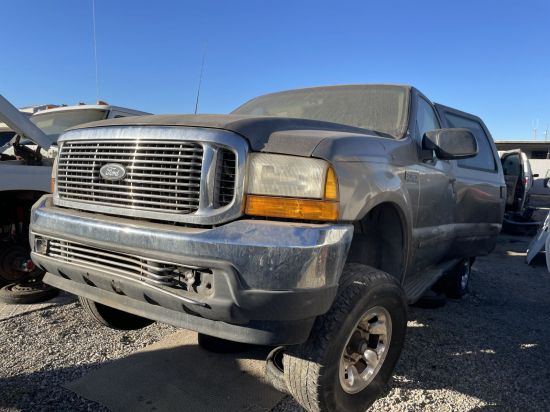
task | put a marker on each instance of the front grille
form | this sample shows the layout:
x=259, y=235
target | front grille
x=161, y=176
x=225, y=178
x=149, y=270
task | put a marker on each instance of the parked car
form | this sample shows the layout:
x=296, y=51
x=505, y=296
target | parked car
x=519, y=180
x=305, y=219
x=25, y=171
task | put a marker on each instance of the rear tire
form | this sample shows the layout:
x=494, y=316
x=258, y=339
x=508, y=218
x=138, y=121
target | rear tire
x=111, y=317
x=350, y=355
x=218, y=345
x=456, y=283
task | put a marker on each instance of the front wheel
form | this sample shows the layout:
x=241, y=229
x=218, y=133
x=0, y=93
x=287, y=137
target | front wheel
x=349, y=357
x=111, y=317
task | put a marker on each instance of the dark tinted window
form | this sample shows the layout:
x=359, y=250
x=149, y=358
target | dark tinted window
x=5, y=137
x=484, y=159
x=426, y=119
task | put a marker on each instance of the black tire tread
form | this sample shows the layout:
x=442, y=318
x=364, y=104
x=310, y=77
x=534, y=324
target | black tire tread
x=113, y=318
x=7, y=295
x=274, y=376
x=302, y=375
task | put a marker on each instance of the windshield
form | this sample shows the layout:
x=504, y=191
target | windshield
x=55, y=123
x=375, y=107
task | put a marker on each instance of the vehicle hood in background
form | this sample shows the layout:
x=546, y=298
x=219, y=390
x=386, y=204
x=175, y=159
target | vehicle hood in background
x=20, y=124
x=264, y=133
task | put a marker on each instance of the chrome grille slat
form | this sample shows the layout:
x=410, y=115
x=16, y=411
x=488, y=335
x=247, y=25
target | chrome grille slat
x=110, y=261
x=134, y=161
x=166, y=155
x=187, y=176
x=137, y=201
x=80, y=178
x=56, y=246
x=62, y=183
x=167, y=161
x=161, y=175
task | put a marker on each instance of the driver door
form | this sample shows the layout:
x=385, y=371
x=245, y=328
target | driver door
x=517, y=181
x=434, y=229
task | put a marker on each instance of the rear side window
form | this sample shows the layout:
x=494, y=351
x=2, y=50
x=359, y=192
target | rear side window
x=484, y=160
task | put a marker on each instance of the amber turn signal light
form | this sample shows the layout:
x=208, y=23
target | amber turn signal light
x=331, y=185
x=291, y=208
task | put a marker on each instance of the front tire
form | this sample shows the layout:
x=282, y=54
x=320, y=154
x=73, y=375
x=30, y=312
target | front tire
x=349, y=357
x=274, y=370
x=111, y=317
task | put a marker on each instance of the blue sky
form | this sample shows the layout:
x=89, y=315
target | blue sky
x=488, y=57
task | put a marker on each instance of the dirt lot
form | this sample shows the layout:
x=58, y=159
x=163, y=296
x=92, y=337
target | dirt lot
x=488, y=351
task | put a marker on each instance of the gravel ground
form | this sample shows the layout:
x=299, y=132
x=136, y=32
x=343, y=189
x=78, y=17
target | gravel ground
x=487, y=351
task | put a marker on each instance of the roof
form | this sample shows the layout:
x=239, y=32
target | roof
x=91, y=107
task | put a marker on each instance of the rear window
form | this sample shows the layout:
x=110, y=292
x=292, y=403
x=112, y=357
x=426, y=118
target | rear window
x=485, y=159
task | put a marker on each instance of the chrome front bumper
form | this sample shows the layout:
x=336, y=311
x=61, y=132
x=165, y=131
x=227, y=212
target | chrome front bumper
x=266, y=255
x=275, y=272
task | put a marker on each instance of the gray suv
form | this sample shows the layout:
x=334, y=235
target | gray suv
x=306, y=220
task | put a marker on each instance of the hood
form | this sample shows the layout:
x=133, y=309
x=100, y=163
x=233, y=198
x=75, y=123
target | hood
x=20, y=124
x=264, y=133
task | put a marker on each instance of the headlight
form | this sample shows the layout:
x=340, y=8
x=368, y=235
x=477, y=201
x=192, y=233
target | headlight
x=291, y=187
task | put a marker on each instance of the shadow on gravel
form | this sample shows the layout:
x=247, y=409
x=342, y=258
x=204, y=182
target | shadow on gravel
x=170, y=377
x=24, y=309
x=491, y=345
x=488, y=351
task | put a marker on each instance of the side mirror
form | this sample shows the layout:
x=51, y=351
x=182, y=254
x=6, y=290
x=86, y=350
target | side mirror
x=535, y=175
x=450, y=144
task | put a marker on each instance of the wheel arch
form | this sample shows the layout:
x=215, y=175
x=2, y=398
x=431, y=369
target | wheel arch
x=382, y=237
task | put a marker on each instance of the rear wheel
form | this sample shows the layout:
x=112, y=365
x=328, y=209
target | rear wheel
x=348, y=359
x=455, y=284
x=111, y=317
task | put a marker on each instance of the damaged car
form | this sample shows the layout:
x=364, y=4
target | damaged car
x=307, y=220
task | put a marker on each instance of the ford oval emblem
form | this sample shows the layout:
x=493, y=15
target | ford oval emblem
x=112, y=171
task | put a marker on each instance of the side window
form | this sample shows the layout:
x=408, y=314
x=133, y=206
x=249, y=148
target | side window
x=426, y=119
x=511, y=165
x=484, y=160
